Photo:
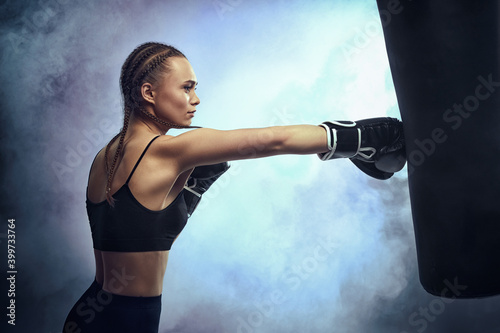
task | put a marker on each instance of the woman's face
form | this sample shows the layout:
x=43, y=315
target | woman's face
x=175, y=97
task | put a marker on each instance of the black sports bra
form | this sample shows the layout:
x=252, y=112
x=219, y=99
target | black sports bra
x=131, y=227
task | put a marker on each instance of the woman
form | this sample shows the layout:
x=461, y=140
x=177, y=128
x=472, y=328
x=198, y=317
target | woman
x=135, y=198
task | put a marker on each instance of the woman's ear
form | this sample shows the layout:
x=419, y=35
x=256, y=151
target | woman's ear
x=147, y=93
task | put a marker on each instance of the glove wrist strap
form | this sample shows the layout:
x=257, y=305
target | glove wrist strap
x=344, y=140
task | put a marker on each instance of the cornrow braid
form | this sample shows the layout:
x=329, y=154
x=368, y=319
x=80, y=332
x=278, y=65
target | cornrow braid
x=139, y=67
x=153, y=64
x=106, y=152
x=126, y=71
x=111, y=170
x=125, y=81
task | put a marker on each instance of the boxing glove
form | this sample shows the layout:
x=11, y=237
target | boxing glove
x=200, y=181
x=376, y=145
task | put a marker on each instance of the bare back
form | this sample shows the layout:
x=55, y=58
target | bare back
x=154, y=184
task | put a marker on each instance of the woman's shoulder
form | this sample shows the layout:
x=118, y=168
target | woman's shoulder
x=132, y=148
x=167, y=144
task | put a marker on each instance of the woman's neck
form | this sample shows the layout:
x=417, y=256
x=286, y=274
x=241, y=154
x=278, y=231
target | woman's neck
x=140, y=125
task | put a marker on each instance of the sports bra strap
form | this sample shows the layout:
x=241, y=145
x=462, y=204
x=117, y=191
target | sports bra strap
x=140, y=158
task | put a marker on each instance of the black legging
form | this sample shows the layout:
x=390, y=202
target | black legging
x=98, y=311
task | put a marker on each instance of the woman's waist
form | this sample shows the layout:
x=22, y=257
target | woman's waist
x=105, y=297
x=126, y=284
x=134, y=274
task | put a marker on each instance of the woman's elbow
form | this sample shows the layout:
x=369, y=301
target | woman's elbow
x=279, y=140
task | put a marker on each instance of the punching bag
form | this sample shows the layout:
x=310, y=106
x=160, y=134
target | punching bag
x=444, y=58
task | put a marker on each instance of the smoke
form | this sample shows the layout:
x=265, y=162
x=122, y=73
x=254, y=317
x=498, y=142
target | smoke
x=283, y=244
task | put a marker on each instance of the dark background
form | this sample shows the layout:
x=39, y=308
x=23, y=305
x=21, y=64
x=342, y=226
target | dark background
x=59, y=103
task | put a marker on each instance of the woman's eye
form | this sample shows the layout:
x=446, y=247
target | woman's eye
x=188, y=88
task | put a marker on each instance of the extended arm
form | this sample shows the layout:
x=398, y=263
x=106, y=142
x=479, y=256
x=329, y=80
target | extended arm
x=376, y=145
x=208, y=146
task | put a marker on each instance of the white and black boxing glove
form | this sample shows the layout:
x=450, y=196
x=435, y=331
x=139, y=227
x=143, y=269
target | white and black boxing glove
x=375, y=145
x=200, y=181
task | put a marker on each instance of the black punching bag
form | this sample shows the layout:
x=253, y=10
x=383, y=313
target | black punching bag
x=444, y=58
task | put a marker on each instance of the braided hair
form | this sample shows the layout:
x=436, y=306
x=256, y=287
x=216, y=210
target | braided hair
x=145, y=64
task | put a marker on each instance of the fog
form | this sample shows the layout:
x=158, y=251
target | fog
x=281, y=244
